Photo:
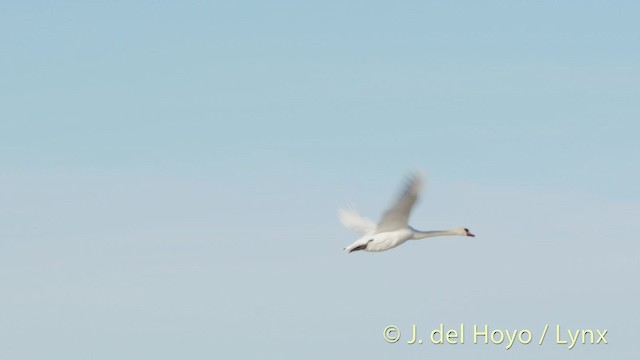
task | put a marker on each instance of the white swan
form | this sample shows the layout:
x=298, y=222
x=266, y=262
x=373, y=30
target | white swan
x=393, y=229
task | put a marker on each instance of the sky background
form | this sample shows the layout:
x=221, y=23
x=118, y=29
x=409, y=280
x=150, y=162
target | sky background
x=170, y=174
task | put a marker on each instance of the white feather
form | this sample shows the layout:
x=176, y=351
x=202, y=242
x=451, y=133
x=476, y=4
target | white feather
x=352, y=220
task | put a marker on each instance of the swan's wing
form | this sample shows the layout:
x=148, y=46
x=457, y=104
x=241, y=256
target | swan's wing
x=353, y=221
x=397, y=217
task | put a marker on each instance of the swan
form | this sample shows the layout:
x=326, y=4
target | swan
x=393, y=229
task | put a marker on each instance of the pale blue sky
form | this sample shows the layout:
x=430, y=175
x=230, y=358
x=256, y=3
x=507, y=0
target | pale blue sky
x=170, y=175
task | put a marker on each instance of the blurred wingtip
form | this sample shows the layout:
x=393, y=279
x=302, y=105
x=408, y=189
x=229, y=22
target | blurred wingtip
x=415, y=180
x=418, y=175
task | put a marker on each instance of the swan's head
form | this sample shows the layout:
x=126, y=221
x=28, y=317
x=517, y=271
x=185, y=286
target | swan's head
x=466, y=232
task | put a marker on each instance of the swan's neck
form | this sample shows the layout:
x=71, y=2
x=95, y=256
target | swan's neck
x=417, y=234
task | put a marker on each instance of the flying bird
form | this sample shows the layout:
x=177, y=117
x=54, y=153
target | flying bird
x=393, y=229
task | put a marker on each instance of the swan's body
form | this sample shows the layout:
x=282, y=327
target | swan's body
x=393, y=229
